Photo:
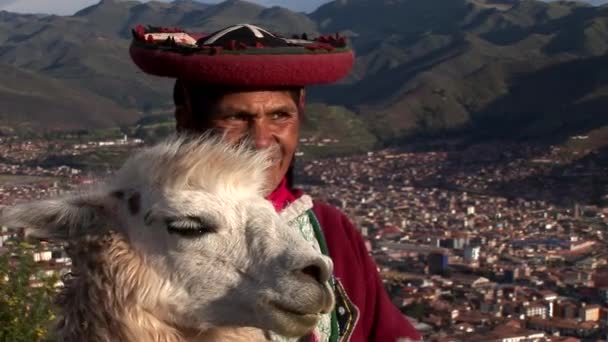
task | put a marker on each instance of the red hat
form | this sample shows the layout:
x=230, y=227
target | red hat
x=241, y=55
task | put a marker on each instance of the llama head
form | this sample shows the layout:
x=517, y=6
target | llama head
x=194, y=209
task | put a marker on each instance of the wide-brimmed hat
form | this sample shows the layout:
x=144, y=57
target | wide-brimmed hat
x=241, y=55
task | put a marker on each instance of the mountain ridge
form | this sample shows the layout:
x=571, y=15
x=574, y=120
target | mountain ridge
x=432, y=67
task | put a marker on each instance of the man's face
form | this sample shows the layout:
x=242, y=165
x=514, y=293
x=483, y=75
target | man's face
x=268, y=118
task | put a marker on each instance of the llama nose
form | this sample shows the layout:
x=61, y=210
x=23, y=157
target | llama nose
x=319, y=269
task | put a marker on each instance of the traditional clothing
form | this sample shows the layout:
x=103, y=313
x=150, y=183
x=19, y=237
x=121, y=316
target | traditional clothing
x=243, y=55
x=379, y=319
x=247, y=56
x=363, y=309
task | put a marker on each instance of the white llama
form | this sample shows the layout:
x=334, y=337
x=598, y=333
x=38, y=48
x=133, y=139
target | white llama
x=180, y=245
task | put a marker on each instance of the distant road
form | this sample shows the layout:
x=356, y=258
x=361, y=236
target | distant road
x=22, y=180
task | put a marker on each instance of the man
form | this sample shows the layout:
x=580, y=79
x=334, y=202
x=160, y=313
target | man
x=245, y=82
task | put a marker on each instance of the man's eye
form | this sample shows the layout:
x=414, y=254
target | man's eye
x=280, y=115
x=236, y=117
x=189, y=226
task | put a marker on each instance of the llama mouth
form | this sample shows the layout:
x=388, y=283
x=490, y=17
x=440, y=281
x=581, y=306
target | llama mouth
x=291, y=322
x=293, y=312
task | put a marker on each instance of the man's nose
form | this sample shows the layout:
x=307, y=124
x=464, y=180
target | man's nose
x=262, y=135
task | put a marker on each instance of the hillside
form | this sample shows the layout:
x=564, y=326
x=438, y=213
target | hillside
x=30, y=101
x=483, y=68
x=90, y=49
x=480, y=64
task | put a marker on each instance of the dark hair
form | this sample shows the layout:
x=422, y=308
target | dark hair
x=198, y=99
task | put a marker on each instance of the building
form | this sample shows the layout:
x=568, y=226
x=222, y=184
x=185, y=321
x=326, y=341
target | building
x=471, y=253
x=534, y=310
x=563, y=327
x=7, y=234
x=589, y=312
x=437, y=263
x=510, y=275
x=505, y=333
x=43, y=255
x=447, y=243
x=549, y=297
x=603, y=293
x=565, y=309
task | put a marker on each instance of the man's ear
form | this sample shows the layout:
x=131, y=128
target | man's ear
x=63, y=218
x=302, y=99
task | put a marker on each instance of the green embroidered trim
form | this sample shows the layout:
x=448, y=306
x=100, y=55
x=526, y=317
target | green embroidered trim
x=319, y=235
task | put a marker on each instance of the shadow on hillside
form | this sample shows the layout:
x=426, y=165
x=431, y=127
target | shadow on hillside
x=524, y=173
x=568, y=31
x=583, y=181
x=551, y=104
x=385, y=82
x=542, y=109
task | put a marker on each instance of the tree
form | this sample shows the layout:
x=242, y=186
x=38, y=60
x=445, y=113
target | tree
x=26, y=312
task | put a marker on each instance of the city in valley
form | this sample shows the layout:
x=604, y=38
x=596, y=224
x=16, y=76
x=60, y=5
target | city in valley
x=486, y=242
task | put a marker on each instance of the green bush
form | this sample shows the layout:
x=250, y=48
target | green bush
x=26, y=313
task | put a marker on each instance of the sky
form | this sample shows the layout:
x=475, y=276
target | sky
x=69, y=7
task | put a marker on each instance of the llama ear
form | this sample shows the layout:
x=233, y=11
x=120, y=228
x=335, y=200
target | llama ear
x=61, y=218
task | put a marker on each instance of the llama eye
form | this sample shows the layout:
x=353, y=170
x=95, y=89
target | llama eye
x=189, y=226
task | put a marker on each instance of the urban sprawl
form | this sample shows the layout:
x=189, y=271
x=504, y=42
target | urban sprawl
x=493, y=242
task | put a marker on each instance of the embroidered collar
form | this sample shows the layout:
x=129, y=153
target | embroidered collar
x=296, y=208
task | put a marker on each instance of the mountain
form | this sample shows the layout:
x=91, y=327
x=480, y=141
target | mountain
x=591, y=2
x=435, y=66
x=89, y=51
x=229, y=12
x=32, y=102
x=483, y=68
x=68, y=7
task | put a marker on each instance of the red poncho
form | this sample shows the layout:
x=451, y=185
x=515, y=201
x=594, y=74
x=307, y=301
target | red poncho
x=379, y=319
